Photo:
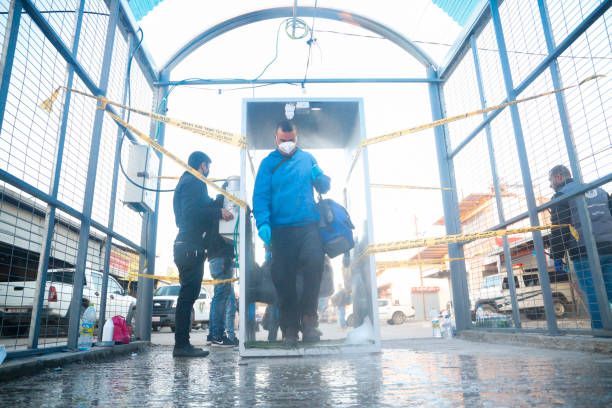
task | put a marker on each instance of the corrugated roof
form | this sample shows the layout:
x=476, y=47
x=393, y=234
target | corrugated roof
x=458, y=10
x=140, y=8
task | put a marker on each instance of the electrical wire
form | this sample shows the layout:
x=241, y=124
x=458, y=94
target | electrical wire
x=123, y=134
x=310, y=42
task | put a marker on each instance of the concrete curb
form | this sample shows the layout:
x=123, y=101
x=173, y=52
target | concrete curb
x=566, y=342
x=34, y=365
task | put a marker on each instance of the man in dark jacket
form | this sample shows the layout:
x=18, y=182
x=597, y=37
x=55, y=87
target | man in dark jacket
x=599, y=205
x=195, y=214
x=287, y=218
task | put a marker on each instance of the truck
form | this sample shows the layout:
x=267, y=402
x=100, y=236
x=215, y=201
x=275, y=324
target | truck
x=17, y=298
x=164, y=308
x=494, y=294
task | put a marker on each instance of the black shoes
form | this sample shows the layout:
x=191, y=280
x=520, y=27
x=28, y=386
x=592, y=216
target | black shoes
x=189, y=351
x=310, y=334
x=222, y=341
x=290, y=337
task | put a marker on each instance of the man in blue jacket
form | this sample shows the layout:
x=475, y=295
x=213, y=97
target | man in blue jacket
x=195, y=214
x=287, y=219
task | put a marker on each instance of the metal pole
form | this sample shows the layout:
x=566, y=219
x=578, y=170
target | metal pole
x=583, y=213
x=416, y=231
x=113, y=203
x=144, y=309
x=79, y=276
x=551, y=319
x=8, y=52
x=43, y=264
x=496, y=187
x=451, y=210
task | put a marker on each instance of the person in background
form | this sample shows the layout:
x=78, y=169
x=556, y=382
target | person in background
x=340, y=300
x=599, y=205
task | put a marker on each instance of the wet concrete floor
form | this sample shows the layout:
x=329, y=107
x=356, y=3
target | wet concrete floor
x=413, y=372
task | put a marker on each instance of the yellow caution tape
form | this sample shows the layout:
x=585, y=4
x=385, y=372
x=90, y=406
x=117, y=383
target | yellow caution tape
x=452, y=239
x=215, y=134
x=403, y=264
x=176, y=279
x=408, y=187
x=389, y=136
x=188, y=168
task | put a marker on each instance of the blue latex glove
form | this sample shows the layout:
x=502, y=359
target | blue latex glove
x=265, y=233
x=315, y=172
x=559, y=266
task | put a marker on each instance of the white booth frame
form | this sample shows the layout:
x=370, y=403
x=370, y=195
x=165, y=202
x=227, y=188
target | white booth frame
x=310, y=349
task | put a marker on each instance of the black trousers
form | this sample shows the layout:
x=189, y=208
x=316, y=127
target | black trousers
x=189, y=260
x=297, y=251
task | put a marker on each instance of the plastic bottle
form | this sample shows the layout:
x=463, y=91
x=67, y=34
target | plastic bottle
x=435, y=323
x=86, y=332
x=108, y=330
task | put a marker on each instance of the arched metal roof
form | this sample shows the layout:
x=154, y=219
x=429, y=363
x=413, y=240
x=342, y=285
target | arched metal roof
x=284, y=12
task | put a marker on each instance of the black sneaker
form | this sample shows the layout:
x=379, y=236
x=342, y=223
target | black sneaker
x=208, y=339
x=234, y=341
x=189, y=351
x=221, y=342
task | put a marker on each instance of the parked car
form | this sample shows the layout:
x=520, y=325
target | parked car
x=389, y=311
x=394, y=313
x=17, y=298
x=164, y=308
x=494, y=294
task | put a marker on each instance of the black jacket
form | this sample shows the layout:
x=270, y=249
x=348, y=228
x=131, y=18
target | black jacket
x=560, y=238
x=195, y=212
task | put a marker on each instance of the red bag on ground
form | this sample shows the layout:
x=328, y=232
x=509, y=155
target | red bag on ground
x=122, y=331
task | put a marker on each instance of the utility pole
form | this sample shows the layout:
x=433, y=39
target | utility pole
x=416, y=231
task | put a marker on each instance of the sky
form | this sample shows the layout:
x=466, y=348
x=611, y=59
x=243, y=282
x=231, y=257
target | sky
x=340, y=50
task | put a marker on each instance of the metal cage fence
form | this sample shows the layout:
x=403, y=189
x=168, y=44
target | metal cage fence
x=66, y=238
x=512, y=189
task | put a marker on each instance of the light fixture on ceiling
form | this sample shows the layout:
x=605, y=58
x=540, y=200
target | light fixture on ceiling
x=289, y=110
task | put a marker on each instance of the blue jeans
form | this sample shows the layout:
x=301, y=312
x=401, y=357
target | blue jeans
x=220, y=268
x=230, y=314
x=341, y=318
x=583, y=273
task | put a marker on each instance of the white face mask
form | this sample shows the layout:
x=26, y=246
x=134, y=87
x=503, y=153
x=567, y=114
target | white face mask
x=287, y=148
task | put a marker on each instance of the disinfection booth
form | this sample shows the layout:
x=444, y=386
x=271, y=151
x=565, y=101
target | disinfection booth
x=337, y=127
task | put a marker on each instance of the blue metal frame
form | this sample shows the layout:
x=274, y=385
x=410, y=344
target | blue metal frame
x=92, y=169
x=8, y=52
x=450, y=203
x=66, y=53
x=143, y=56
x=113, y=199
x=296, y=81
x=462, y=45
x=538, y=242
x=285, y=12
x=583, y=214
x=498, y=197
x=34, y=192
x=43, y=265
x=149, y=228
x=542, y=66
